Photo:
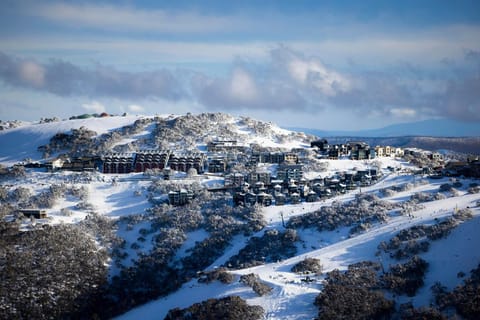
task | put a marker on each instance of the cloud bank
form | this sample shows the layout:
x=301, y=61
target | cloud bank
x=66, y=79
x=287, y=80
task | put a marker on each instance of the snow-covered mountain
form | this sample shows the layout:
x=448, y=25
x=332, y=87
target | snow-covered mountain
x=138, y=257
x=170, y=131
x=426, y=128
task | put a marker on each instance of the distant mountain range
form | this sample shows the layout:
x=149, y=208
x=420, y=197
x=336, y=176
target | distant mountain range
x=427, y=128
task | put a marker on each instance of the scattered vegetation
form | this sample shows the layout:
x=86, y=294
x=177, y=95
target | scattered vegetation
x=13, y=172
x=421, y=197
x=354, y=294
x=463, y=214
x=308, y=265
x=272, y=246
x=50, y=272
x=414, y=240
x=259, y=287
x=77, y=142
x=366, y=209
x=406, y=278
x=464, y=298
x=85, y=142
x=61, y=271
x=220, y=274
x=228, y=308
x=408, y=312
x=392, y=190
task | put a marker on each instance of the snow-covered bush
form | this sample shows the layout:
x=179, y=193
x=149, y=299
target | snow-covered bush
x=79, y=192
x=205, y=252
x=3, y=193
x=408, y=312
x=12, y=172
x=406, y=187
x=445, y=187
x=463, y=214
x=474, y=190
x=272, y=246
x=353, y=294
x=365, y=208
x=411, y=248
x=66, y=212
x=420, y=197
x=216, y=222
x=51, y=272
x=441, y=196
x=457, y=184
x=44, y=200
x=442, y=229
x=308, y=265
x=361, y=227
x=84, y=206
x=387, y=192
x=6, y=209
x=406, y=278
x=409, y=207
x=259, y=287
x=186, y=218
x=220, y=274
x=232, y=307
x=76, y=142
x=464, y=298
x=21, y=194
x=414, y=240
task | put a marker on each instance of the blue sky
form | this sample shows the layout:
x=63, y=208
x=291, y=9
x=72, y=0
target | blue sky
x=342, y=65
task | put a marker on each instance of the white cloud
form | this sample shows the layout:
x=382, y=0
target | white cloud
x=94, y=106
x=32, y=73
x=311, y=72
x=403, y=112
x=242, y=85
x=135, y=108
x=129, y=18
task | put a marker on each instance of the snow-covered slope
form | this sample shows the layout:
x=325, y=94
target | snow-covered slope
x=128, y=198
x=21, y=143
x=292, y=298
